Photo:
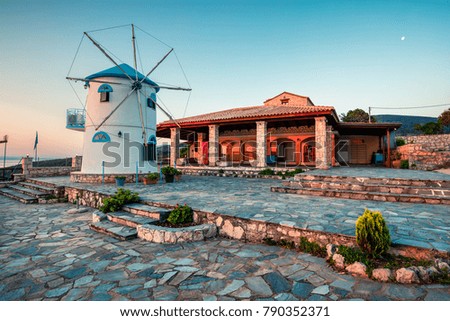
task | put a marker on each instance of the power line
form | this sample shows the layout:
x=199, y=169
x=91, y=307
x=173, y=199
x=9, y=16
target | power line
x=411, y=107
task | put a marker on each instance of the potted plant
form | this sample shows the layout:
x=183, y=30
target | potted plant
x=120, y=180
x=178, y=174
x=151, y=178
x=169, y=173
x=396, y=160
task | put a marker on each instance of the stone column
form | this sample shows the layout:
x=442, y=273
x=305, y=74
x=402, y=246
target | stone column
x=200, y=140
x=333, y=149
x=261, y=145
x=174, y=145
x=27, y=164
x=322, y=160
x=213, y=144
x=76, y=163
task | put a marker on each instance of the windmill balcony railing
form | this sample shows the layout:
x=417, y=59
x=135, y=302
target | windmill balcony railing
x=76, y=119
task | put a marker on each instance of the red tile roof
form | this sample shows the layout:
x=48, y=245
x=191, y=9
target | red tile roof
x=252, y=112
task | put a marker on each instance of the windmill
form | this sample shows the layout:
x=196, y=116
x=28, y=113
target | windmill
x=121, y=108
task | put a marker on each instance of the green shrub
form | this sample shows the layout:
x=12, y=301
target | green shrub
x=181, y=215
x=293, y=173
x=152, y=176
x=400, y=142
x=372, y=233
x=312, y=247
x=352, y=255
x=404, y=164
x=267, y=171
x=115, y=202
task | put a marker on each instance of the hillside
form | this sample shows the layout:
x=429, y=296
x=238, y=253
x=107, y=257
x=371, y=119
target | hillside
x=408, y=122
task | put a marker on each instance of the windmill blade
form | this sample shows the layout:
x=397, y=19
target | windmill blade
x=114, y=110
x=166, y=113
x=156, y=66
x=93, y=80
x=144, y=134
x=133, y=40
x=174, y=88
x=108, y=56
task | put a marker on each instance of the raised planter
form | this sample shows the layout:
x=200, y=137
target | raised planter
x=161, y=234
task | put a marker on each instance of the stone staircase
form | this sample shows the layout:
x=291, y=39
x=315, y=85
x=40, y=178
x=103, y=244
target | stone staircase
x=367, y=188
x=27, y=192
x=123, y=224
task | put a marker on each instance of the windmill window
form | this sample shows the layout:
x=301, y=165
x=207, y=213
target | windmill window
x=104, y=91
x=151, y=102
x=150, y=149
x=101, y=137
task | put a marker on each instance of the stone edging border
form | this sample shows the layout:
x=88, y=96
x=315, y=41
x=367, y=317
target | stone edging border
x=161, y=234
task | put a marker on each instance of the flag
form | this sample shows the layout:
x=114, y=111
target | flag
x=36, y=141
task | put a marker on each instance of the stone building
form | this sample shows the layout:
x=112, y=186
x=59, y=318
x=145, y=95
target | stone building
x=287, y=130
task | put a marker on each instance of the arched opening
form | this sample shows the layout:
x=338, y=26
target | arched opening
x=249, y=150
x=308, y=151
x=150, y=149
x=285, y=151
x=230, y=151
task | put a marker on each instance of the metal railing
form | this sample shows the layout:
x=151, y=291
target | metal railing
x=75, y=118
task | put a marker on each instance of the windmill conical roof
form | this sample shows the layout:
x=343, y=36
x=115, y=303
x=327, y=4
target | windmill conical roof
x=118, y=73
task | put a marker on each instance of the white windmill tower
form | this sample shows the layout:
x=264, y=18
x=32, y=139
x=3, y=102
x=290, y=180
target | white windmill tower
x=120, y=130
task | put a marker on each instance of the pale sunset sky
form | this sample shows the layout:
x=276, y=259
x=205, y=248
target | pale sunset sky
x=347, y=54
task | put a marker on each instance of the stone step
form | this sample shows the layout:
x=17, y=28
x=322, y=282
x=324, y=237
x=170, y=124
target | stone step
x=373, y=180
x=18, y=196
x=41, y=183
x=36, y=187
x=29, y=191
x=115, y=230
x=128, y=219
x=363, y=195
x=153, y=212
x=395, y=189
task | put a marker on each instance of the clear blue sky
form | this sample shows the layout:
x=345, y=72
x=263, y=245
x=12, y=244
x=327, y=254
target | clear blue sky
x=346, y=54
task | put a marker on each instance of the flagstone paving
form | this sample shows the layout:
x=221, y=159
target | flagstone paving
x=47, y=254
x=422, y=225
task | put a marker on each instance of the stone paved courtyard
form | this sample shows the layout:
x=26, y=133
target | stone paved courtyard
x=421, y=225
x=48, y=254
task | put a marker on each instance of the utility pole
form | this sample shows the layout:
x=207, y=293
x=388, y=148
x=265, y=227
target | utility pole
x=4, y=141
x=370, y=114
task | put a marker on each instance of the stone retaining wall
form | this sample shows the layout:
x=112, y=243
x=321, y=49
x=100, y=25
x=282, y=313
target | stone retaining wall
x=430, y=142
x=85, y=197
x=421, y=157
x=78, y=177
x=49, y=171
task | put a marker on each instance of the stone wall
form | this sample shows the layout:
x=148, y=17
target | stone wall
x=85, y=197
x=426, y=152
x=49, y=171
x=430, y=142
x=78, y=177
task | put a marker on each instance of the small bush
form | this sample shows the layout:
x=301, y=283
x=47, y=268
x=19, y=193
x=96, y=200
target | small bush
x=293, y=173
x=267, y=171
x=352, y=255
x=372, y=233
x=115, y=202
x=312, y=247
x=181, y=215
x=404, y=164
x=152, y=176
x=400, y=142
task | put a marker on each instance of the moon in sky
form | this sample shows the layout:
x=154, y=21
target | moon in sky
x=402, y=38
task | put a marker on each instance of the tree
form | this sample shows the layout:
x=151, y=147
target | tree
x=444, y=118
x=356, y=115
x=430, y=128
